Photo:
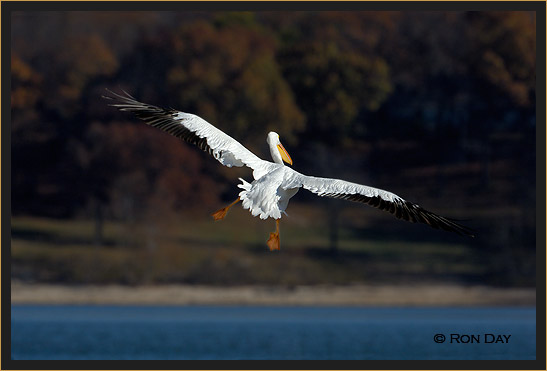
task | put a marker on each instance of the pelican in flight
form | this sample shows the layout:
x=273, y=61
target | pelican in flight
x=268, y=195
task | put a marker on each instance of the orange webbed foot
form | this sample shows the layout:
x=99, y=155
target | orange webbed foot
x=273, y=241
x=220, y=214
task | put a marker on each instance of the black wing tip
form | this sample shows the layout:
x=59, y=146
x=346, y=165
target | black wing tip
x=126, y=102
x=121, y=98
x=462, y=230
x=117, y=95
x=156, y=117
x=411, y=212
x=447, y=224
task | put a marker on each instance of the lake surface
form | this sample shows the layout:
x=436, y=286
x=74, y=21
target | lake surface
x=64, y=332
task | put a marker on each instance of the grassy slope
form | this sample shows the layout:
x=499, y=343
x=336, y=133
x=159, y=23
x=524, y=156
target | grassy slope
x=191, y=248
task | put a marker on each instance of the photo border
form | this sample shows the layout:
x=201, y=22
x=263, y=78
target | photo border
x=7, y=7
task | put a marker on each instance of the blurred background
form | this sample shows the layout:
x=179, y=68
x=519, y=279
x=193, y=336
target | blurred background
x=437, y=107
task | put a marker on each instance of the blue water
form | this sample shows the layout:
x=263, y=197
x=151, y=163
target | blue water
x=248, y=332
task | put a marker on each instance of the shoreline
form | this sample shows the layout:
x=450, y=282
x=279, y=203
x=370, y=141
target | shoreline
x=351, y=295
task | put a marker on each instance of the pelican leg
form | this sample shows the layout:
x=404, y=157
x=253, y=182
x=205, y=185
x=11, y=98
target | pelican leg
x=273, y=241
x=220, y=214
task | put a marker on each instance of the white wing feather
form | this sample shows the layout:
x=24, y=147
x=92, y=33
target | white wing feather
x=334, y=187
x=383, y=200
x=193, y=129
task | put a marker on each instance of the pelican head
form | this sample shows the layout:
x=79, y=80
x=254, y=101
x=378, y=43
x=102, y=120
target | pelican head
x=278, y=152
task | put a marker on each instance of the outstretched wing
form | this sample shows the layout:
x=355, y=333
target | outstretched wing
x=383, y=200
x=193, y=129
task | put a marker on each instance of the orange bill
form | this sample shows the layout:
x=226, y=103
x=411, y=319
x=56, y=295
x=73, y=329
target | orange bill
x=284, y=154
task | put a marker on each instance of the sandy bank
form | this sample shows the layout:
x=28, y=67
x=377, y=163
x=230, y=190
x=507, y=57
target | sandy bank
x=362, y=295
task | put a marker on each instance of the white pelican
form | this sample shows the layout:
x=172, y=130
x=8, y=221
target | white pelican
x=268, y=195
